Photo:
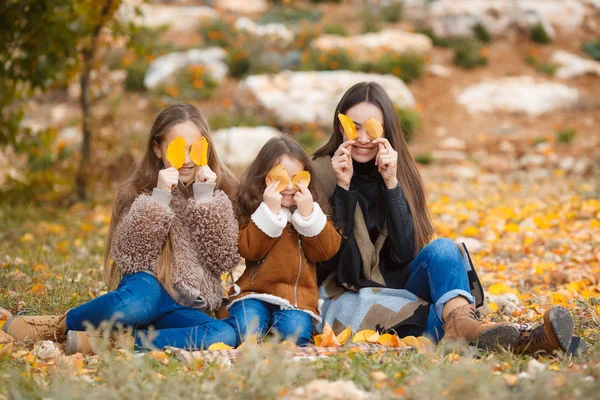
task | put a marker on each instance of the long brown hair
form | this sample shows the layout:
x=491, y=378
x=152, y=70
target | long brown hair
x=145, y=177
x=253, y=182
x=408, y=174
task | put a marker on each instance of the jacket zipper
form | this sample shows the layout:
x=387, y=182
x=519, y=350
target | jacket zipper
x=253, y=274
x=299, y=270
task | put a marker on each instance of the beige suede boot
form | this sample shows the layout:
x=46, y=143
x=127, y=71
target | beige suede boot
x=86, y=343
x=465, y=323
x=554, y=334
x=5, y=338
x=34, y=328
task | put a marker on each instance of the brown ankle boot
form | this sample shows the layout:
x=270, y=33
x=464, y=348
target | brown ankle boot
x=86, y=342
x=34, y=328
x=554, y=334
x=464, y=323
x=5, y=338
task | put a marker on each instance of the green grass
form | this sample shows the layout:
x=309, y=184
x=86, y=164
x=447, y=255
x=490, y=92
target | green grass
x=61, y=248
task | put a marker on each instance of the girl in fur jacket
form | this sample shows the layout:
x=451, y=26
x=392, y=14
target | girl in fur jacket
x=284, y=233
x=173, y=233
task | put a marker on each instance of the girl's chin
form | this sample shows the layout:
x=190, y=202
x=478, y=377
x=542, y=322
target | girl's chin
x=287, y=203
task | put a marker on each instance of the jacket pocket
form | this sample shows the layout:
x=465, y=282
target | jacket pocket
x=256, y=269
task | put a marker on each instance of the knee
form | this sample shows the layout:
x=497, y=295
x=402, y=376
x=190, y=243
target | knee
x=444, y=251
x=227, y=335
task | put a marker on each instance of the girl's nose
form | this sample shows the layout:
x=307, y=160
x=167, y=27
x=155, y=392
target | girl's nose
x=362, y=136
x=188, y=158
x=290, y=186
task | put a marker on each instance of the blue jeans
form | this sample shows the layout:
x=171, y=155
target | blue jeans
x=251, y=316
x=438, y=274
x=140, y=302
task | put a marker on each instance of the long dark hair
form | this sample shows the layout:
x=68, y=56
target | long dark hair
x=408, y=174
x=144, y=179
x=253, y=182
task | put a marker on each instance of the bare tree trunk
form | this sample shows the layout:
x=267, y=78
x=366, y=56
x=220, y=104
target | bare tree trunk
x=85, y=101
x=86, y=146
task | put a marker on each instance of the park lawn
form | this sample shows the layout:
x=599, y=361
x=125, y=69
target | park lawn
x=50, y=261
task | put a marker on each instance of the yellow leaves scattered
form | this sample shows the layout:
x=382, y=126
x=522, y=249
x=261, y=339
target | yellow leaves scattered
x=493, y=307
x=176, y=152
x=329, y=339
x=219, y=346
x=389, y=340
x=470, y=231
x=278, y=173
x=374, y=128
x=26, y=238
x=250, y=341
x=348, y=126
x=302, y=178
x=199, y=152
x=502, y=288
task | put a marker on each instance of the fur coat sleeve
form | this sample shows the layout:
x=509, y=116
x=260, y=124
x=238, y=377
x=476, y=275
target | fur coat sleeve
x=140, y=235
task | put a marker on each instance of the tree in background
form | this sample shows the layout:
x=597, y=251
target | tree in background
x=45, y=44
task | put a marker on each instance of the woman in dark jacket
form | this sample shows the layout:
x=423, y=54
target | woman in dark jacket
x=388, y=273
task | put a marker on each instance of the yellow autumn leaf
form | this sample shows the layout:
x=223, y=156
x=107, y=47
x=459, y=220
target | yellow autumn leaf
x=374, y=128
x=176, y=152
x=287, y=345
x=493, y=307
x=511, y=227
x=329, y=339
x=278, y=173
x=302, y=178
x=219, y=346
x=158, y=355
x=366, y=335
x=348, y=126
x=38, y=289
x=470, y=231
x=411, y=341
x=558, y=299
x=344, y=335
x=318, y=339
x=389, y=340
x=250, y=341
x=30, y=358
x=199, y=152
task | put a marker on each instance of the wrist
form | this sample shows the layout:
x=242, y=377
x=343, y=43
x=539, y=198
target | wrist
x=306, y=212
x=164, y=188
x=343, y=185
x=392, y=183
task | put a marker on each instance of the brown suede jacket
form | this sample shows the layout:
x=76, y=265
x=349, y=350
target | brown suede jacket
x=204, y=234
x=281, y=252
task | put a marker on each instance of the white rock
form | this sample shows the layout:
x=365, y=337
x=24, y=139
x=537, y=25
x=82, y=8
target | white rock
x=473, y=245
x=572, y=65
x=323, y=389
x=47, y=350
x=582, y=166
x=244, y=6
x=534, y=367
x=448, y=156
x=567, y=163
x=457, y=17
x=532, y=160
x=363, y=46
x=179, y=18
x=507, y=147
x=505, y=299
x=166, y=66
x=69, y=136
x=275, y=32
x=438, y=70
x=311, y=97
x=238, y=146
x=452, y=143
x=464, y=172
x=519, y=95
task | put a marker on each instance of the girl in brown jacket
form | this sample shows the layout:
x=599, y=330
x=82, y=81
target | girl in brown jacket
x=284, y=232
x=173, y=233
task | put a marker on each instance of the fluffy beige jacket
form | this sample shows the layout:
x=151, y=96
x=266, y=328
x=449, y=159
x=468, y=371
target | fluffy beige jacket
x=204, y=235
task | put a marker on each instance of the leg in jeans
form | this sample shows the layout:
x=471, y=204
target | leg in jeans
x=139, y=300
x=248, y=317
x=439, y=274
x=293, y=325
x=186, y=328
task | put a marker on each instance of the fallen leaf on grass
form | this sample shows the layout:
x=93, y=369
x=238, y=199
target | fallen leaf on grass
x=366, y=335
x=219, y=346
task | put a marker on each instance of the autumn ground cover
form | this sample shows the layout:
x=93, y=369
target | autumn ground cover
x=536, y=242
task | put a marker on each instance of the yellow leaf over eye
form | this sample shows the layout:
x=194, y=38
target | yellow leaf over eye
x=199, y=152
x=348, y=126
x=374, y=128
x=302, y=178
x=278, y=173
x=176, y=152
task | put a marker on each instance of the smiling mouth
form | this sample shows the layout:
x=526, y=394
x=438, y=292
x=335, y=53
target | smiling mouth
x=363, y=150
x=185, y=169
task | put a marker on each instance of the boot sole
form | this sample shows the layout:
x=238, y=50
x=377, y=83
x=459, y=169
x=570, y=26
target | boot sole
x=499, y=337
x=71, y=347
x=561, y=322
